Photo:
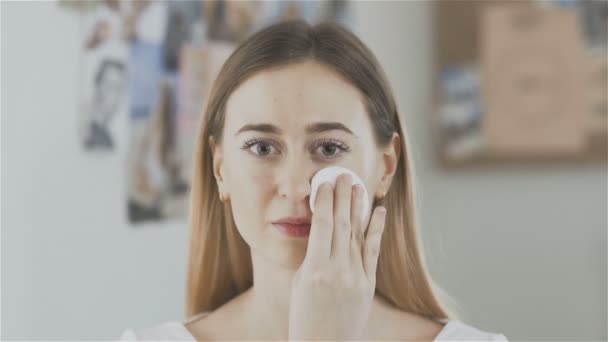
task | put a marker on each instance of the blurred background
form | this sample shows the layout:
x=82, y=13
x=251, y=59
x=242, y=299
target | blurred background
x=504, y=103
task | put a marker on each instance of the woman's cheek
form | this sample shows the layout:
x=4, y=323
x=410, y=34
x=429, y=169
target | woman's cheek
x=261, y=183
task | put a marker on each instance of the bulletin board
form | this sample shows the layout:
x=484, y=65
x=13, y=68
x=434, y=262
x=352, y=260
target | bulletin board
x=519, y=82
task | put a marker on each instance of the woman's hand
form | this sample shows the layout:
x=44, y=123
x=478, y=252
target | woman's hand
x=333, y=289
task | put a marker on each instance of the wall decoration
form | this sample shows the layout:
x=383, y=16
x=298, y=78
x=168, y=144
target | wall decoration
x=520, y=82
x=104, y=78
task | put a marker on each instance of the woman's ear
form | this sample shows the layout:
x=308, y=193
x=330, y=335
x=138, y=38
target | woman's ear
x=390, y=160
x=217, y=156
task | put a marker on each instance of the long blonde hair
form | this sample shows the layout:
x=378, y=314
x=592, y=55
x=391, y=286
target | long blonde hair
x=219, y=264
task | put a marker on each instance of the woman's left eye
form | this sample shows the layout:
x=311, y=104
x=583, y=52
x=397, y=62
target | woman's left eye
x=326, y=145
x=332, y=144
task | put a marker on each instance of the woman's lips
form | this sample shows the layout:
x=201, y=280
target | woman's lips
x=293, y=230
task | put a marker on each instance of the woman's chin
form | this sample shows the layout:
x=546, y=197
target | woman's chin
x=289, y=253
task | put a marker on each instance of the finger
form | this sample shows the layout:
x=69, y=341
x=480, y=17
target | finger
x=356, y=216
x=356, y=259
x=357, y=224
x=321, y=225
x=341, y=236
x=371, y=246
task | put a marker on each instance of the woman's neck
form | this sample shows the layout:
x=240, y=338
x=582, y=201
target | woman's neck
x=269, y=296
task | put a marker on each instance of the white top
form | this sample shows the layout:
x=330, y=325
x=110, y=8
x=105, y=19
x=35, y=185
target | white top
x=453, y=330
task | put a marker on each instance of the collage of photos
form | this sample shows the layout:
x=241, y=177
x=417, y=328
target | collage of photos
x=154, y=63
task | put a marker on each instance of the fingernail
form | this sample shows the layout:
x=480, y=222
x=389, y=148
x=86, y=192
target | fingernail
x=382, y=211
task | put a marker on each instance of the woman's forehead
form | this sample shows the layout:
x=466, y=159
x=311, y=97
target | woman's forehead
x=299, y=95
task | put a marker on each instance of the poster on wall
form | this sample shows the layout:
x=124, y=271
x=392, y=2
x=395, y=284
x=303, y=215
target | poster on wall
x=521, y=82
x=533, y=85
x=104, y=78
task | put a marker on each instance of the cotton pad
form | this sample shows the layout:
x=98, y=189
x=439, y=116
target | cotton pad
x=330, y=174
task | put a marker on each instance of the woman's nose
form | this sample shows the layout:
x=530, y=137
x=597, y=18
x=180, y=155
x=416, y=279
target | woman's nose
x=294, y=184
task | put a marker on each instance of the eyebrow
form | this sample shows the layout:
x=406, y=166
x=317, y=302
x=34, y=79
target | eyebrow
x=316, y=127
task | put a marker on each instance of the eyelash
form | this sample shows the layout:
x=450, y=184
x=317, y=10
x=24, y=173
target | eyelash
x=331, y=142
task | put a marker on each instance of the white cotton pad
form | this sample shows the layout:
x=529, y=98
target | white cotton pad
x=330, y=174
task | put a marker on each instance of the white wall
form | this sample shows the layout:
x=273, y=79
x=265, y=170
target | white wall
x=523, y=250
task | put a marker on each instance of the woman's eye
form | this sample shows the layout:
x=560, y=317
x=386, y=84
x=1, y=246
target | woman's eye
x=262, y=148
x=331, y=147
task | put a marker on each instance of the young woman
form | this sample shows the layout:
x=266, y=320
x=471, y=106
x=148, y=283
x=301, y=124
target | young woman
x=293, y=99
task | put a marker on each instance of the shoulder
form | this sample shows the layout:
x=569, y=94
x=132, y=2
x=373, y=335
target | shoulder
x=390, y=323
x=167, y=331
x=455, y=330
x=396, y=324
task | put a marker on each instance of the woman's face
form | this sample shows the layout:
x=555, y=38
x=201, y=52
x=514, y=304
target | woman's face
x=266, y=170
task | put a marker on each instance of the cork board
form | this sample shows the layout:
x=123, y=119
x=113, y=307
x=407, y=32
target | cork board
x=461, y=39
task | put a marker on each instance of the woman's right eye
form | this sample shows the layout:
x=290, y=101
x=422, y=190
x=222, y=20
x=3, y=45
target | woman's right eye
x=263, y=147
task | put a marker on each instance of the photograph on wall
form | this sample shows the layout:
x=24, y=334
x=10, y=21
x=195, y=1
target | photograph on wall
x=155, y=189
x=104, y=78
